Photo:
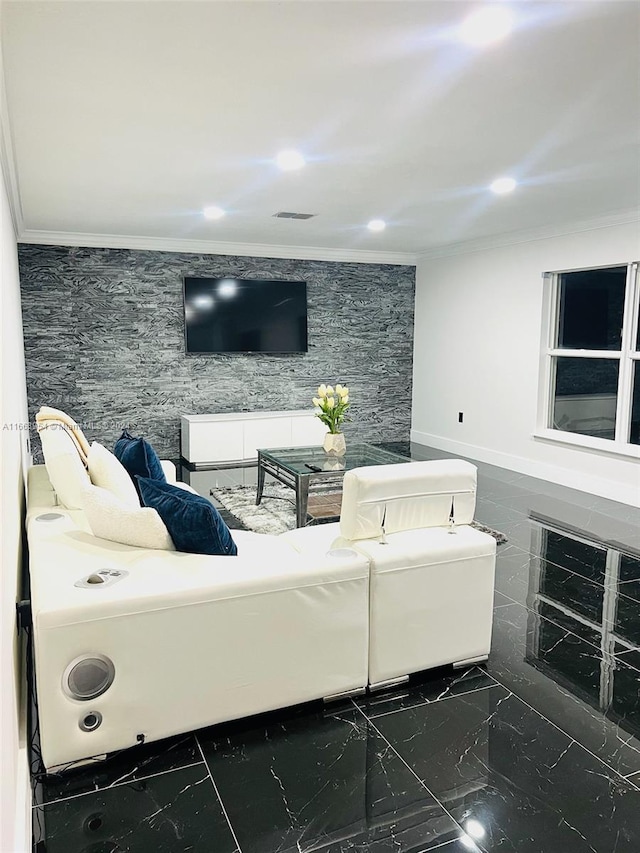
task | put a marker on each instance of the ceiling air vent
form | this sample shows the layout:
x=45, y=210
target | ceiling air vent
x=284, y=214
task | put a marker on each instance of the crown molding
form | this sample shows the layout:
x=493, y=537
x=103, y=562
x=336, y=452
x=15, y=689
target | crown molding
x=512, y=238
x=8, y=160
x=210, y=247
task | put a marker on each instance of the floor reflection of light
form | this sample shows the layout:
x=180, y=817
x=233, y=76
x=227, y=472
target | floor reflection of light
x=468, y=843
x=474, y=828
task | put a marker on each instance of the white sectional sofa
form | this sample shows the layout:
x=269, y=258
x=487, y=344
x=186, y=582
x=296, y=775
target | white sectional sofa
x=172, y=642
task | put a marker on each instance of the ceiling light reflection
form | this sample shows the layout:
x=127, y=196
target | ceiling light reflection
x=227, y=288
x=204, y=301
x=377, y=225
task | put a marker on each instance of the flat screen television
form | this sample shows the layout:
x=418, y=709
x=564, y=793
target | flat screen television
x=244, y=315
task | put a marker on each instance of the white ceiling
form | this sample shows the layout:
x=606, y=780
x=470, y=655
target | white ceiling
x=127, y=118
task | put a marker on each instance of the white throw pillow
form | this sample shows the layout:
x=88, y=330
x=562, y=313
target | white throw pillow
x=66, y=472
x=110, y=518
x=109, y=473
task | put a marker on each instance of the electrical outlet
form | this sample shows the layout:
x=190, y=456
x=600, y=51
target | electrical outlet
x=460, y=417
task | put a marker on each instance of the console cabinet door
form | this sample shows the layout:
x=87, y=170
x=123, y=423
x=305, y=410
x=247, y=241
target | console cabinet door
x=267, y=432
x=215, y=441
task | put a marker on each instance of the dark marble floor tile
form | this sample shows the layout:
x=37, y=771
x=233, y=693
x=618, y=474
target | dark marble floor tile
x=595, y=699
x=433, y=686
x=512, y=780
x=515, y=526
x=323, y=782
x=515, y=576
x=631, y=589
x=579, y=516
x=169, y=813
x=626, y=622
x=631, y=657
x=629, y=570
x=127, y=766
x=566, y=596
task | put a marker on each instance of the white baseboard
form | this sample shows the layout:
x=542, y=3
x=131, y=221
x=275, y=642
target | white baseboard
x=620, y=492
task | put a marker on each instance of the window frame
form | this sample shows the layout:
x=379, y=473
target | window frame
x=626, y=357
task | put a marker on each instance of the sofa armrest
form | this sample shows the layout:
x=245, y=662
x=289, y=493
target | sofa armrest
x=169, y=471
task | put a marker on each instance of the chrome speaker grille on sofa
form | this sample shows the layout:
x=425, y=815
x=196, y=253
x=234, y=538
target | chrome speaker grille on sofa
x=88, y=677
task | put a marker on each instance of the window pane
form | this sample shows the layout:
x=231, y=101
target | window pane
x=586, y=396
x=634, y=438
x=591, y=309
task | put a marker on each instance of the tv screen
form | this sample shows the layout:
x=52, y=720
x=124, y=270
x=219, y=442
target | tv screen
x=244, y=315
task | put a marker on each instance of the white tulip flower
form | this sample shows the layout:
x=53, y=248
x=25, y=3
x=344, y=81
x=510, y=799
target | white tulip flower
x=331, y=401
x=344, y=392
x=322, y=390
x=317, y=401
x=345, y=399
x=330, y=389
x=339, y=389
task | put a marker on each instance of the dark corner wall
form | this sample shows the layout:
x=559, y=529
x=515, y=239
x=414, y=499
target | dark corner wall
x=104, y=340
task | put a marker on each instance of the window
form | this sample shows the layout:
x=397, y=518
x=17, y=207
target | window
x=591, y=358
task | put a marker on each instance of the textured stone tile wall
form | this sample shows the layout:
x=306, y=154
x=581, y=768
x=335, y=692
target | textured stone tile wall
x=104, y=340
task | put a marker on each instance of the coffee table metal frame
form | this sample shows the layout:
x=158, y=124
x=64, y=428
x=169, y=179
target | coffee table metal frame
x=288, y=466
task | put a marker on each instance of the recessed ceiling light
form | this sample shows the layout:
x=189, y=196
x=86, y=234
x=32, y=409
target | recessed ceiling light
x=501, y=186
x=290, y=160
x=213, y=212
x=377, y=225
x=487, y=25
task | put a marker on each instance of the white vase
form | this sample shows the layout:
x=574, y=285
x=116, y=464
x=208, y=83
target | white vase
x=334, y=444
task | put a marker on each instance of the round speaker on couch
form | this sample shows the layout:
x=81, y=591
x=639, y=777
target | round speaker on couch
x=88, y=676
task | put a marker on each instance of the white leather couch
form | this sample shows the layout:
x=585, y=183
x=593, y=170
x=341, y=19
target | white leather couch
x=183, y=641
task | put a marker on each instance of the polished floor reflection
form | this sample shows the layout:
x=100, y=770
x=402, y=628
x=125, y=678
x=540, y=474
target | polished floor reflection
x=536, y=752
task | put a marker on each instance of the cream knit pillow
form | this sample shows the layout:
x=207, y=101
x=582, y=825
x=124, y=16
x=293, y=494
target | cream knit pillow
x=112, y=519
x=108, y=473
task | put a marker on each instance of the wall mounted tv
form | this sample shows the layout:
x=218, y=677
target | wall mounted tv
x=244, y=315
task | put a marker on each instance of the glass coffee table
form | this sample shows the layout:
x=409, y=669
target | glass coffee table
x=303, y=467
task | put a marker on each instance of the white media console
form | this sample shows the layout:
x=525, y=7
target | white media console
x=208, y=440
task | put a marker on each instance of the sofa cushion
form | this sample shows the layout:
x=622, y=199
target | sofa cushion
x=194, y=524
x=112, y=519
x=139, y=458
x=108, y=473
x=66, y=471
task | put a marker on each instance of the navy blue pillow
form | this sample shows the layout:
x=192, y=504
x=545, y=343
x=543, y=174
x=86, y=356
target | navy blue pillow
x=194, y=524
x=139, y=459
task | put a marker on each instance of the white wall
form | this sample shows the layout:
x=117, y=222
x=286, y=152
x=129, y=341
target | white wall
x=477, y=351
x=14, y=780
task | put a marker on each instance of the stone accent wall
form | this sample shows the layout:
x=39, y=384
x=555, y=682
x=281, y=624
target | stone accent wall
x=104, y=340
